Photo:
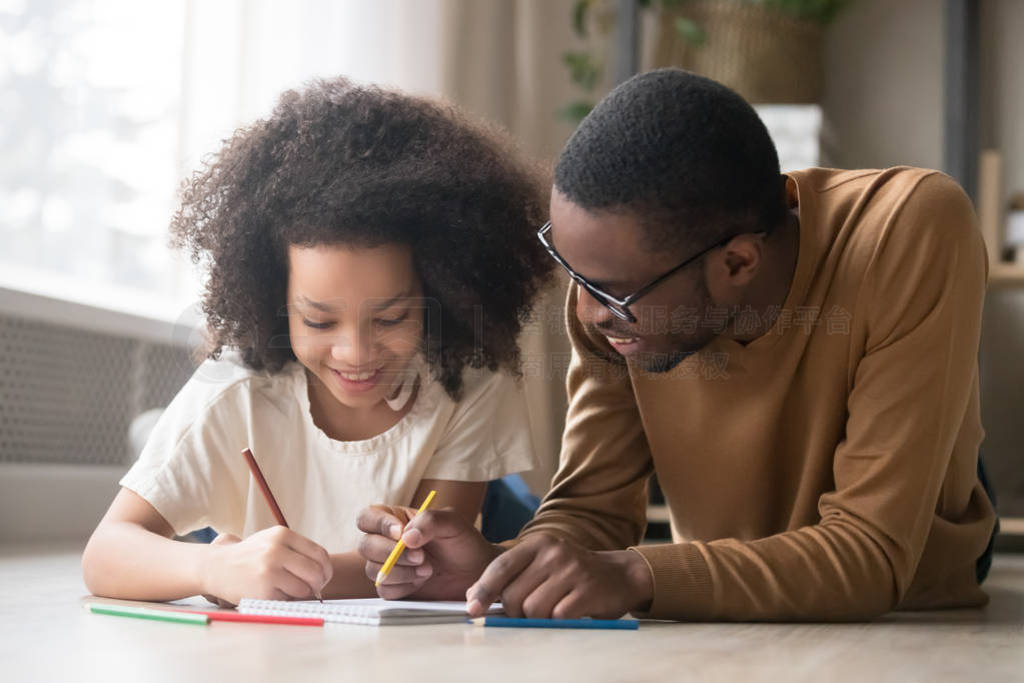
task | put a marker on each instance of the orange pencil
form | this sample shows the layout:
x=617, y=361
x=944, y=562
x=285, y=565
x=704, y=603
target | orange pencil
x=257, y=474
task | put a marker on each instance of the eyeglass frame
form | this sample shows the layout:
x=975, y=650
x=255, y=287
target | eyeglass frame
x=620, y=307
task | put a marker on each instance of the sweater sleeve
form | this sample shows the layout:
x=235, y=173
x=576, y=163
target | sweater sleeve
x=599, y=495
x=921, y=303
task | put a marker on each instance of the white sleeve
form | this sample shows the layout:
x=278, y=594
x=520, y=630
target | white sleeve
x=489, y=432
x=190, y=469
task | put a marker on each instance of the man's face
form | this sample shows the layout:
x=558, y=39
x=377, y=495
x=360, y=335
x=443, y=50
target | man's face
x=606, y=248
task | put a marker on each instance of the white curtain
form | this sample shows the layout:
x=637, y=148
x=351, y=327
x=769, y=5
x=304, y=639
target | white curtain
x=502, y=60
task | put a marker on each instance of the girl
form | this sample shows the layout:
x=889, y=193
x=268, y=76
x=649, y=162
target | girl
x=371, y=259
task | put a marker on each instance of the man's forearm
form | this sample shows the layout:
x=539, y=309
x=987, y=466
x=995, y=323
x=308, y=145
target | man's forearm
x=350, y=579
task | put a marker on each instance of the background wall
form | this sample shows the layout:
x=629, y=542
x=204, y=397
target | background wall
x=1002, y=85
x=883, y=106
x=1002, y=365
x=501, y=59
x=883, y=85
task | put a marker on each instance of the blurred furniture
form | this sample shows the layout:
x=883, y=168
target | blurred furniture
x=72, y=378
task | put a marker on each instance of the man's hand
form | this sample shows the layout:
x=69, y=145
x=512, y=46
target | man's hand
x=548, y=577
x=272, y=564
x=444, y=554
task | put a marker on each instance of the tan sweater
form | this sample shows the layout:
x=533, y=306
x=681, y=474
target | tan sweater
x=826, y=470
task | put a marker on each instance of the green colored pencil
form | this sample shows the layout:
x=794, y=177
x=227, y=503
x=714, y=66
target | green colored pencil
x=146, y=613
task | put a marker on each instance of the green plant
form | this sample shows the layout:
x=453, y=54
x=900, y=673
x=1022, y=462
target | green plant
x=586, y=71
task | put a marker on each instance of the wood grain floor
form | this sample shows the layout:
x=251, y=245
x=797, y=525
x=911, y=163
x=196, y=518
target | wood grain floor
x=45, y=635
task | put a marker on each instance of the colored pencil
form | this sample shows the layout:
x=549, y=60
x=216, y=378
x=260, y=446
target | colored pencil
x=257, y=474
x=257, y=618
x=147, y=613
x=510, y=622
x=396, y=552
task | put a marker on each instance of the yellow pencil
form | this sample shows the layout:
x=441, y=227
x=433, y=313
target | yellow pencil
x=399, y=547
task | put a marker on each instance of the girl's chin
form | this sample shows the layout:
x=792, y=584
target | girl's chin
x=357, y=401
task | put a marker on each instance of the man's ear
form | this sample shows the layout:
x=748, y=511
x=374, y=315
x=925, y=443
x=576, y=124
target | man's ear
x=739, y=261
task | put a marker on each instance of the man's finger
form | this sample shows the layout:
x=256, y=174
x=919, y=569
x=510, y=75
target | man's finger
x=376, y=548
x=399, y=574
x=382, y=520
x=571, y=606
x=520, y=588
x=399, y=591
x=498, y=575
x=433, y=525
x=541, y=601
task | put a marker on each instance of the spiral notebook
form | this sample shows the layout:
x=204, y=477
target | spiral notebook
x=369, y=611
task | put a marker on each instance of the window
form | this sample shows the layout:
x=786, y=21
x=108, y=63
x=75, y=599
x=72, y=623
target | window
x=108, y=104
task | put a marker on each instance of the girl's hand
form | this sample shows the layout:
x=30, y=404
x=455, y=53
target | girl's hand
x=273, y=564
x=222, y=539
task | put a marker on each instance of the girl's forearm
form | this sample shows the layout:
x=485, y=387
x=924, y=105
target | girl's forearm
x=125, y=560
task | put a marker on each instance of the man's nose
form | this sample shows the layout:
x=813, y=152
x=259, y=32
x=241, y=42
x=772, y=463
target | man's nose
x=592, y=312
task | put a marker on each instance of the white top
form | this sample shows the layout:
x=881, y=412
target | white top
x=192, y=470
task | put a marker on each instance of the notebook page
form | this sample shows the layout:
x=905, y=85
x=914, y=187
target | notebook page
x=364, y=611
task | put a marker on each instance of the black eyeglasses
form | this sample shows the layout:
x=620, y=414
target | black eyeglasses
x=620, y=307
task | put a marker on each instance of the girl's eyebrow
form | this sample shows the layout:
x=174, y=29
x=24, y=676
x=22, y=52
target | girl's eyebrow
x=388, y=303
x=314, y=304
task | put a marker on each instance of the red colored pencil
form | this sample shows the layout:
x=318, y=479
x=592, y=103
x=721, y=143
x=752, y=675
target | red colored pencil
x=257, y=474
x=257, y=618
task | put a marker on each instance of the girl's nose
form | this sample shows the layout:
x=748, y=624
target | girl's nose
x=351, y=349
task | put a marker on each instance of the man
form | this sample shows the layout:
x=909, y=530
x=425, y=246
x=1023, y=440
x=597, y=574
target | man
x=795, y=356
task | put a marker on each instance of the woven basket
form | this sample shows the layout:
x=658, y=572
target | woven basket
x=764, y=55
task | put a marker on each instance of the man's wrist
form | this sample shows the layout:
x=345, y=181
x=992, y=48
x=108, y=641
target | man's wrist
x=640, y=580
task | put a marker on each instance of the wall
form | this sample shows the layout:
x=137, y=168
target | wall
x=883, y=106
x=1002, y=368
x=1002, y=85
x=883, y=85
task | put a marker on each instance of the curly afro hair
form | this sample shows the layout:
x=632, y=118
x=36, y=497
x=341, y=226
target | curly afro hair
x=338, y=163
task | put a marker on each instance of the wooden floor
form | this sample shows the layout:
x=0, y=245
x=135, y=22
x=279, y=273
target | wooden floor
x=45, y=635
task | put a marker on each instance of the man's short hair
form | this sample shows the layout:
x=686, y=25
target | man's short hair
x=684, y=153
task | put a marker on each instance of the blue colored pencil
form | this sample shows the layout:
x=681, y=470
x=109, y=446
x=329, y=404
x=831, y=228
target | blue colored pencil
x=511, y=622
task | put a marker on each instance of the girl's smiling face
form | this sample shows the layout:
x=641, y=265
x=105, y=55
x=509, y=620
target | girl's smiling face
x=355, y=317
